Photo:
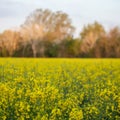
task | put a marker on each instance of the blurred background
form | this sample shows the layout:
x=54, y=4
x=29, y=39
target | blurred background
x=44, y=28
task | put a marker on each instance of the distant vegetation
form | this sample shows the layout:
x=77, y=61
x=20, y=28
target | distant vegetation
x=50, y=34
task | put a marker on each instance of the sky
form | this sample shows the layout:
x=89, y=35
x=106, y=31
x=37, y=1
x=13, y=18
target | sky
x=107, y=12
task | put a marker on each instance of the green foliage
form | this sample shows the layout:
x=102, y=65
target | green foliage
x=52, y=50
x=23, y=51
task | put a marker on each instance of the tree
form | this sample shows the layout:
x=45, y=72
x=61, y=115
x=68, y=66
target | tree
x=9, y=42
x=46, y=25
x=90, y=34
x=109, y=44
x=114, y=42
x=69, y=47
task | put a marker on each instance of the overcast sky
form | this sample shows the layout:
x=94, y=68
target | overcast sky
x=82, y=12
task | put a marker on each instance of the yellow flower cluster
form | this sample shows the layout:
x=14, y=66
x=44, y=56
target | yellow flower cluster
x=59, y=89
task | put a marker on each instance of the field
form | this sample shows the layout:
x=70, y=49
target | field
x=59, y=89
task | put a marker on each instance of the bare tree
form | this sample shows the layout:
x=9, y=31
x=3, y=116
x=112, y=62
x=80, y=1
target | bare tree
x=114, y=42
x=90, y=34
x=46, y=25
x=9, y=41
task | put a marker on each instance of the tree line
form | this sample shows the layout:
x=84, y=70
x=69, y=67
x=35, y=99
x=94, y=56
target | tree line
x=50, y=34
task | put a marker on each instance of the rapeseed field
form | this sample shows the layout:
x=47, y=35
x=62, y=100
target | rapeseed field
x=59, y=89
